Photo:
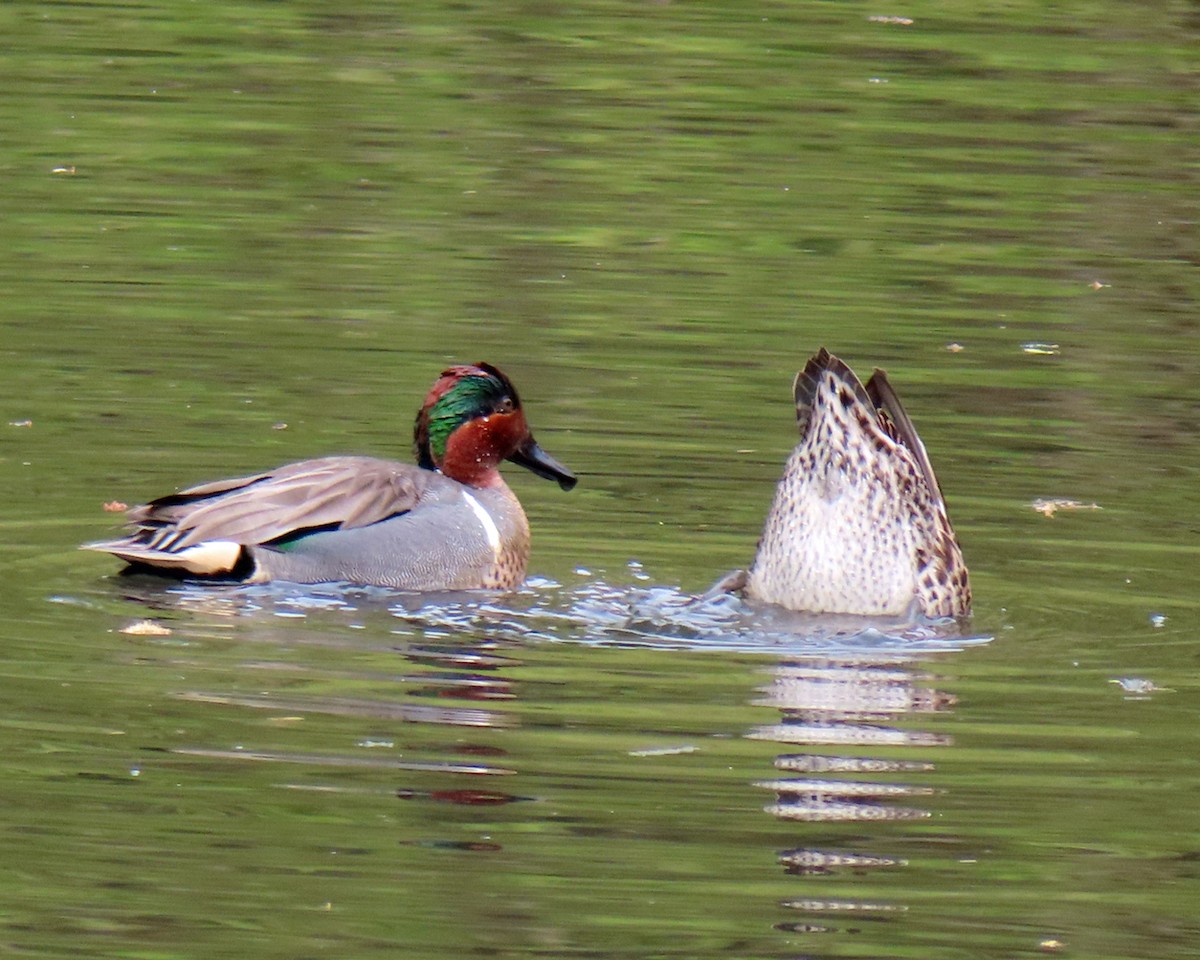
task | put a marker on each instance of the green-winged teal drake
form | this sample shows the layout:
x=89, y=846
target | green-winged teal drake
x=858, y=524
x=448, y=523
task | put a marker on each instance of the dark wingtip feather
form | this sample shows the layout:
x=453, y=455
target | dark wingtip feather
x=896, y=421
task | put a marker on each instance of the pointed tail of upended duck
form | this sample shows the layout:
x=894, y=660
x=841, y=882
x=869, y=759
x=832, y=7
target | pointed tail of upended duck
x=858, y=524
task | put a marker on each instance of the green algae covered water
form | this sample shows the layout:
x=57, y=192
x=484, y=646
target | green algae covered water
x=238, y=234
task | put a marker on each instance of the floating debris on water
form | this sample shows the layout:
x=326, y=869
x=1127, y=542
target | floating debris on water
x=1139, y=688
x=1049, y=506
x=146, y=628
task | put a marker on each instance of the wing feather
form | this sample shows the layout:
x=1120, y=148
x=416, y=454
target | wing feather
x=895, y=420
x=326, y=492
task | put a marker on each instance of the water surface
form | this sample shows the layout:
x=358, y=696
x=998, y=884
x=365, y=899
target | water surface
x=241, y=234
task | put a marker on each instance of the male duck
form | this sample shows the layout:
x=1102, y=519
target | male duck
x=449, y=523
x=858, y=524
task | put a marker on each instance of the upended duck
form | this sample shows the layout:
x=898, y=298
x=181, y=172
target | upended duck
x=858, y=524
x=448, y=523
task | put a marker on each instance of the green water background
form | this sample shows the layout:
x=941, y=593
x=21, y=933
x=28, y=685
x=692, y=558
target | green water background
x=224, y=218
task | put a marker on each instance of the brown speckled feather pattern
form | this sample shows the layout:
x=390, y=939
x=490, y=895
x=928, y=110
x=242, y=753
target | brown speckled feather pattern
x=858, y=524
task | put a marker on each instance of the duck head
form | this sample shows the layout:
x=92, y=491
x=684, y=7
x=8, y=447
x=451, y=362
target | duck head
x=471, y=421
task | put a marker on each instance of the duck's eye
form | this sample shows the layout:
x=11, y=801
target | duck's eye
x=505, y=405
